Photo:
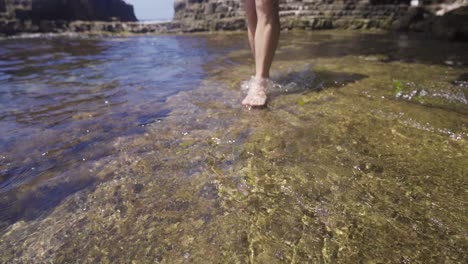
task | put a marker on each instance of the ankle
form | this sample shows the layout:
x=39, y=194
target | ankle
x=261, y=80
x=262, y=76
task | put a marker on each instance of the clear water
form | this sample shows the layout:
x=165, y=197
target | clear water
x=137, y=149
x=64, y=100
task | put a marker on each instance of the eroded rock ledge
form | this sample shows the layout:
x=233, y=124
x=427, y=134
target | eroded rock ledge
x=117, y=17
x=29, y=16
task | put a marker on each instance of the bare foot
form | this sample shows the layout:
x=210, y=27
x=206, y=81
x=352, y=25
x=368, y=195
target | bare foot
x=257, y=94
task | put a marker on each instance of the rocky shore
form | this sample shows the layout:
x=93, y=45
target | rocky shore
x=442, y=19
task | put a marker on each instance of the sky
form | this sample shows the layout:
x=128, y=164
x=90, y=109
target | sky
x=153, y=9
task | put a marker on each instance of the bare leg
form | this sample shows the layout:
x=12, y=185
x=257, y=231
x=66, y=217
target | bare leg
x=251, y=14
x=266, y=36
x=265, y=41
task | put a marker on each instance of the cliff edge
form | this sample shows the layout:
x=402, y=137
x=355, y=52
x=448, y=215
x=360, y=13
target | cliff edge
x=18, y=16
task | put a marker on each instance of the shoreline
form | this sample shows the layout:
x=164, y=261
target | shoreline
x=438, y=27
x=102, y=34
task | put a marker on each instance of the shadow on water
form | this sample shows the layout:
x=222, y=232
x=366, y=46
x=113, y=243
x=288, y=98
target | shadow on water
x=21, y=205
x=310, y=80
x=306, y=80
x=31, y=189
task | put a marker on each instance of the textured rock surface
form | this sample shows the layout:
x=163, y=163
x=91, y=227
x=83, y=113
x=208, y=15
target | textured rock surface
x=202, y=15
x=18, y=16
x=304, y=14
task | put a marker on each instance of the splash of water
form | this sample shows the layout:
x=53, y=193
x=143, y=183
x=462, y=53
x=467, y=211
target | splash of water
x=285, y=84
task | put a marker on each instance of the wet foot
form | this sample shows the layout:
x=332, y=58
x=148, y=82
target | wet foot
x=257, y=94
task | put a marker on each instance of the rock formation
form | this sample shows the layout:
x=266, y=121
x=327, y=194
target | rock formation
x=2, y=6
x=17, y=16
x=452, y=25
x=201, y=15
x=303, y=14
x=441, y=7
x=88, y=10
x=27, y=15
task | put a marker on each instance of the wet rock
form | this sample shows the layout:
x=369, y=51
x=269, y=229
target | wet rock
x=461, y=81
x=137, y=188
x=209, y=191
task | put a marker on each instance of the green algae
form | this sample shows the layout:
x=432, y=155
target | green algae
x=348, y=173
x=398, y=87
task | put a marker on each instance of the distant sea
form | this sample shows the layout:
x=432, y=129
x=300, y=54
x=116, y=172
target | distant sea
x=152, y=21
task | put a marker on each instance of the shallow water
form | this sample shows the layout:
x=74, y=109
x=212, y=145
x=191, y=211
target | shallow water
x=63, y=102
x=137, y=149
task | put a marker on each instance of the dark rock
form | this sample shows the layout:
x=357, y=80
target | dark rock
x=452, y=26
x=137, y=188
x=442, y=31
x=22, y=14
x=179, y=6
x=461, y=81
x=221, y=9
x=2, y=6
x=102, y=10
x=413, y=16
x=17, y=16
